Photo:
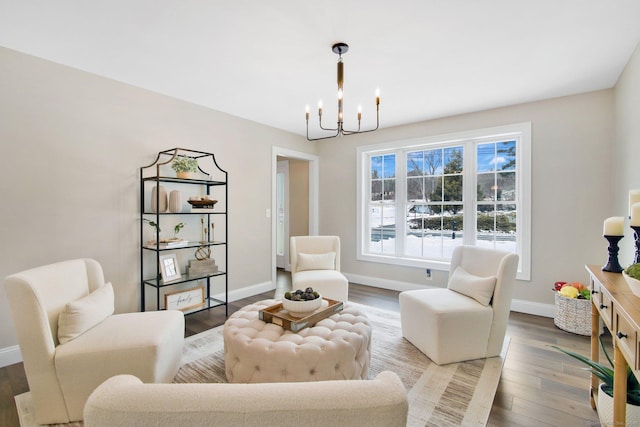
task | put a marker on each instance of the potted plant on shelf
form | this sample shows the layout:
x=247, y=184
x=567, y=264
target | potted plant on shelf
x=184, y=166
x=605, y=390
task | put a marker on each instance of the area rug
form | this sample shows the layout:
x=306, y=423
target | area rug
x=459, y=394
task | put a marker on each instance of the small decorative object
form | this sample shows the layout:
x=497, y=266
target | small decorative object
x=300, y=303
x=634, y=216
x=158, y=199
x=613, y=232
x=573, y=308
x=605, y=374
x=202, y=204
x=203, y=252
x=179, y=226
x=153, y=224
x=184, y=300
x=202, y=267
x=175, y=202
x=632, y=277
x=211, y=239
x=184, y=166
x=169, y=268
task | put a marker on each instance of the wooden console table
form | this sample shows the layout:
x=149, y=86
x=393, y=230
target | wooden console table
x=619, y=308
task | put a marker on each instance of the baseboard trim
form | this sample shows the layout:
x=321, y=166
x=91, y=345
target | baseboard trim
x=520, y=306
x=10, y=355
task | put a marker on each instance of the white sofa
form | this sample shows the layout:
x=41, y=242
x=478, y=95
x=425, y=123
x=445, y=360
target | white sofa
x=125, y=401
x=67, y=356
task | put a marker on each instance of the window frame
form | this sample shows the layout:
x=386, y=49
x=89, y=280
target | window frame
x=469, y=139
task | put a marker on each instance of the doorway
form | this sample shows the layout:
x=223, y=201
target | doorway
x=298, y=200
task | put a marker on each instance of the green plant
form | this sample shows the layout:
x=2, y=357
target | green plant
x=177, y=229
x=605, y=374
x=633, y=271
x=153, y=224
x=184, y=164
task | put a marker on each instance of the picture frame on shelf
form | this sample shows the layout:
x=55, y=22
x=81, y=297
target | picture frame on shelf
x=185, y=299
x=169, y=268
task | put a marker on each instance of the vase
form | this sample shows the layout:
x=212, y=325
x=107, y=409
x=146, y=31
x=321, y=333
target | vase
x=605, y=410
x=158, y=199
x=185, y=175
x=175, y=202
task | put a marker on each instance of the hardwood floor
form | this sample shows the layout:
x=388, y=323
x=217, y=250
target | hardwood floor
x=539, y=385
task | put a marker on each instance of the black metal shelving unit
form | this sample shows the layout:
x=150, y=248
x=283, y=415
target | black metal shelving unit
x=158, y=173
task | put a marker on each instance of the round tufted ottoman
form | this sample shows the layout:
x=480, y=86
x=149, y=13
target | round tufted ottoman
x=336, y=348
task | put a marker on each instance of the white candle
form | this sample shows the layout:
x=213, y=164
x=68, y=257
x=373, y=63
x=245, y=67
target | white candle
x=634, y=197
x=635, y=215
x=614, y=226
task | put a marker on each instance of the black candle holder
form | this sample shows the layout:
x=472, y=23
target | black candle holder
x=612, y=264
x=636, y=236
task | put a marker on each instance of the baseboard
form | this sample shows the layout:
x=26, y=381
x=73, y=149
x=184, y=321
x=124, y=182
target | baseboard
x=520, y=306
x=247, y=291
x=10, y=356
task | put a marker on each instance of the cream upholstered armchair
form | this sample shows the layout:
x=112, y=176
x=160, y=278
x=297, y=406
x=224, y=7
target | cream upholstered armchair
x=315, y=262
x=71, y=342
x=468, y=319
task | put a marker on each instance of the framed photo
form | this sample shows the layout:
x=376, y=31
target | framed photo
x=169, y=268
x=184, y=300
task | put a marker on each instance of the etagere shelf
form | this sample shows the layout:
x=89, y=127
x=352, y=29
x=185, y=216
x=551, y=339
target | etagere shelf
x=213, y=181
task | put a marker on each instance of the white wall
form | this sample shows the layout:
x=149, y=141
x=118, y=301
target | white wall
x=627, y=148
x=72, y=145
x=571, y=183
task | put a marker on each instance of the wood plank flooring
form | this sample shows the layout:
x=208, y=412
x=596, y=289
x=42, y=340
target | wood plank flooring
x=539, y=385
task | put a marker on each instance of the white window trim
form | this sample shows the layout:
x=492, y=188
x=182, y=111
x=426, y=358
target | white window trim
x=521, y=130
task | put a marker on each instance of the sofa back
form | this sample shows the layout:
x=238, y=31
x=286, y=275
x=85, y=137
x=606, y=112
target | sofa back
x=124, y=400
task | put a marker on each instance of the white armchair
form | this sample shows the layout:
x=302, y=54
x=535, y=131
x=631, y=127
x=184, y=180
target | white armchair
x=468, y=319
x=315, y=262
x=71, y=342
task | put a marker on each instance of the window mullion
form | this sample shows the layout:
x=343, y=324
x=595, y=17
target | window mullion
x=469, y=180
x=401, y=201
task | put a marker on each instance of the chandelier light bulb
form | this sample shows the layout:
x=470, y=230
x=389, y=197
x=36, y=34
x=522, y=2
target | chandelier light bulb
x=339, y=93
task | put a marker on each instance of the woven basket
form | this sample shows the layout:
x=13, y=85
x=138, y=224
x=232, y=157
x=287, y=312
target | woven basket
x=573, y=315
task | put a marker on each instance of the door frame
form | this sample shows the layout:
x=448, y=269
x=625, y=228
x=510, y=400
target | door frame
x=282, y=261
x=313, y=195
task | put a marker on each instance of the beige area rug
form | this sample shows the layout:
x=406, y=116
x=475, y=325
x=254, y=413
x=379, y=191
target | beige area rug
x=459, y=394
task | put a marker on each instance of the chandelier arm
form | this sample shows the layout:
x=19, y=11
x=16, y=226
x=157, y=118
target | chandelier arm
x=353, y=132
x=322, y=137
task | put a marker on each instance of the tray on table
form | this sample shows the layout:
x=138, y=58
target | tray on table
x=277, y=315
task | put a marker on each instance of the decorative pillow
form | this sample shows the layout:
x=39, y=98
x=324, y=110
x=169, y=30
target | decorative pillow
x=476, y=287
x=326, y=261
x=83, y=314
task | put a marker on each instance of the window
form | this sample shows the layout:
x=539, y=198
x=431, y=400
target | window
x=419, y=199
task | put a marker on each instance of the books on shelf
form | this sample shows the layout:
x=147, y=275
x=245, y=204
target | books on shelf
x=201, y=267
x=169, y=243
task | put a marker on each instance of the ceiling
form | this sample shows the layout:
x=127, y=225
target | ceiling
x=265, y=60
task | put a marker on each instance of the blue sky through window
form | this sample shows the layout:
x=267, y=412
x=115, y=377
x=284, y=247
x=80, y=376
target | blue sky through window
x=499, y=156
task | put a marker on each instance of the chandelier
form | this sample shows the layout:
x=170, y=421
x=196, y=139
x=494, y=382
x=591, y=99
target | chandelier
x=341, y=48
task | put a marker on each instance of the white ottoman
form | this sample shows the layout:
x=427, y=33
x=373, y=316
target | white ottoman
x=336, y=348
